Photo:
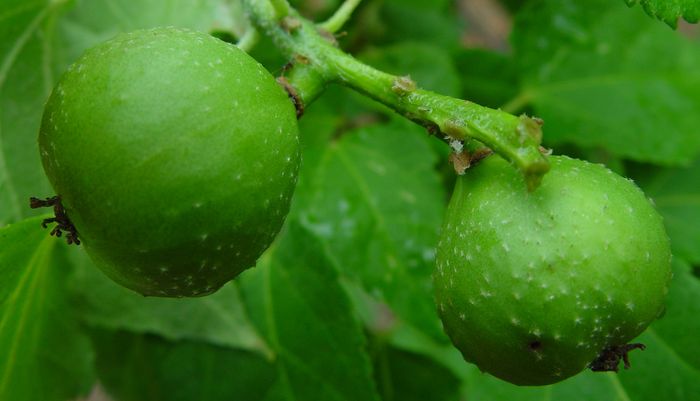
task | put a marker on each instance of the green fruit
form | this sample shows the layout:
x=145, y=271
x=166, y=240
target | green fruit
x=532, y=287
x=175, y=156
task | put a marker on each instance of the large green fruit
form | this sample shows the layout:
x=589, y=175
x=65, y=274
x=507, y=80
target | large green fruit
x=175, y=156
x=532, y=287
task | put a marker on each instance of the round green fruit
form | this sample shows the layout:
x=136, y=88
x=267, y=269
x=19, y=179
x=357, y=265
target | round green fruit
x=175, y=156
x=533, y=287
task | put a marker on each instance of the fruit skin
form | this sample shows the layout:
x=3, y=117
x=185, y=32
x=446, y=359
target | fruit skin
x=175, y=155
x=531, y=287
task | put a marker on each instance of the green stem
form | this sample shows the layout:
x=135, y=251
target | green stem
x=317, y=61
x=248, y=40
x=340, y=17
x=517, y=103
x=281, y=8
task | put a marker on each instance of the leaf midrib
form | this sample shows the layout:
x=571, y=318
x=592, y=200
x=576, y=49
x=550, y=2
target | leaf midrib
x=31, y=276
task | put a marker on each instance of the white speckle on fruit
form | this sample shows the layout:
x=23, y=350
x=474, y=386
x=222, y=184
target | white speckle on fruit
x=204, y=237
x=629, y=305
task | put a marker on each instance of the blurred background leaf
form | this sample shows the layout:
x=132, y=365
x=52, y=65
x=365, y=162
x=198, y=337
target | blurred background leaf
x=43, y=353
x=218, y=319
x=25, y=82
x=601, y=75
x=676, y=193
x=294, y=298
x=142, y=367
x=375, y=203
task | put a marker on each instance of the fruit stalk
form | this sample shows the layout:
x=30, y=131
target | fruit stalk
x=317, y=61
x=338, y=19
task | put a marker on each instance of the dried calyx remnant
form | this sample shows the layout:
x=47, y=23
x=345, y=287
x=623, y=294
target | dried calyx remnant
x=609, y=358
x=61, y=219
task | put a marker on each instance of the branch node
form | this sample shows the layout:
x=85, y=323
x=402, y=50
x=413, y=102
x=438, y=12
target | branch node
x=402, y=86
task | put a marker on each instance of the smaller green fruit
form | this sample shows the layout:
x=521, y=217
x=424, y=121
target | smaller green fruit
x=175, y=156
x=533, y=286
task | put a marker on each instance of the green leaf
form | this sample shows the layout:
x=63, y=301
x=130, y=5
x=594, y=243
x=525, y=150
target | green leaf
x=375, y=202
x=603, y=76
x=25, y=81
x=219, y=319
x=91, y=22
x=670, y=10
x=137, y=367
x=429, y=66
x=417, y=20
x=43, y=354
x=676, y=193
x=583, y=387
x=405, y=376
x=671, y=352
x=294, y=298
x=682, y=308
x=488, y=78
